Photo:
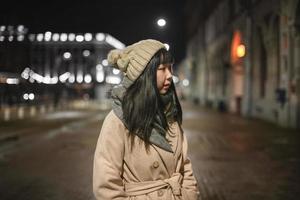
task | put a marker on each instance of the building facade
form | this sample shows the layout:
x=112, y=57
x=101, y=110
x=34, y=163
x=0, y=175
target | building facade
x=245, y=59
x=53, y=67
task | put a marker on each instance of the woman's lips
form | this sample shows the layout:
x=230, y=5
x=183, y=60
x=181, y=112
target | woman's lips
x=166, y=85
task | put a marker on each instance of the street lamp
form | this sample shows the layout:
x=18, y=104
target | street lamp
x=161, y=22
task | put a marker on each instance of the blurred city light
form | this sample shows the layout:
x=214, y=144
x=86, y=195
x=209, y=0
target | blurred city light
x=11, y=38
x=63, y=78
x=88, y=78
x=114, y=42
x=63, y=37
x=79, y=78
x=241, y=51
x=31, y=79
x=47, y=80
x=167, y=46
x=31, y=96
x=55, y=37
x=72, y=78
x=175, y=79
x=99, y=73
x=99, y=67
x=88, y=37
x=32, y=76
x=116, y=71
x=20, y=28
x=20, y=38
x=161, y=22
x=71, y=37
x=12, y=81
x=2, y=38
x=48, y=35
x=25, y=96
x=104, y=62
x=54, y=80
x=67, y=55
x=40, y=37
x=86, y=53
x=37, y=77
x=185, y=82
x=25, y=73
x=113, y=79
x=79, y=38
x=100, y=36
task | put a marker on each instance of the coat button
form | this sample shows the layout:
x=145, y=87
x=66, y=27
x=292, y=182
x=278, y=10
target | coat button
x=160, y=193
x=155, y=164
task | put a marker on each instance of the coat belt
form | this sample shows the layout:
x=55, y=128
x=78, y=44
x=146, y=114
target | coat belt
x=141, y=188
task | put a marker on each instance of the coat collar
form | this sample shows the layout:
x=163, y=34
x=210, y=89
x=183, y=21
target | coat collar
x=155, y=137
x=117, y=95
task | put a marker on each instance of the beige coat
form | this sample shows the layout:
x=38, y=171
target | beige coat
x=138, y=175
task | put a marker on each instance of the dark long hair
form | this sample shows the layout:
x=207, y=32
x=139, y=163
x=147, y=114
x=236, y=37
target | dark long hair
x=142, y=102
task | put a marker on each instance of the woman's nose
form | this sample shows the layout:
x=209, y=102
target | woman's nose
x=169, y=74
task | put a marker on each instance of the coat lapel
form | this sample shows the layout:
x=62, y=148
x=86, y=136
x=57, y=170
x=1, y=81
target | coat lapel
x=167, y=159
x=170, y=159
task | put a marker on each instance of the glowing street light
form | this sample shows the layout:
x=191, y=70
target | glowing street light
x=67, y=55
x=161, y=22
x=241, y=51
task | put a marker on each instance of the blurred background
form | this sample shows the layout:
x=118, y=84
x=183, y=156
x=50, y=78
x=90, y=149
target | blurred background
x=237, y=73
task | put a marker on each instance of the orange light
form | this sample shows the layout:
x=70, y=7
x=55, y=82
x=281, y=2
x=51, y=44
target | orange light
x=241, y=51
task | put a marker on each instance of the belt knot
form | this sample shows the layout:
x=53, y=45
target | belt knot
x=175, y=183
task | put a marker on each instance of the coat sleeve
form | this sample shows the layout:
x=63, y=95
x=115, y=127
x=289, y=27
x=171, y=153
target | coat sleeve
x=189, y=185
x=108, y=161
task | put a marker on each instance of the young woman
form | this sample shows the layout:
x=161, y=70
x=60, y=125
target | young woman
x=141, y=152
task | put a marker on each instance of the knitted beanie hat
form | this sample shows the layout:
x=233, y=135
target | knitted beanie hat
x=134, y=58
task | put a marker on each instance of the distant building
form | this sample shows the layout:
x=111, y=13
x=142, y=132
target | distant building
x=54, y=66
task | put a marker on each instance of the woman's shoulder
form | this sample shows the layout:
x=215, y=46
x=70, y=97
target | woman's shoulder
x=112, y=119
x=112, y=126
x=110, y=115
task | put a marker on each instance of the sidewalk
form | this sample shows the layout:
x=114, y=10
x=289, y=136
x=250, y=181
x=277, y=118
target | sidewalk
x=236, y=158
x=233, y=158
x=29, y=123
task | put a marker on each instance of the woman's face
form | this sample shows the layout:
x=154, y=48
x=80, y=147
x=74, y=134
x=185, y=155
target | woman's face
x=164, y=77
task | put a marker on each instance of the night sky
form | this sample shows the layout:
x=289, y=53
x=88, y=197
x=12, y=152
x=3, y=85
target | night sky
x=128, y=21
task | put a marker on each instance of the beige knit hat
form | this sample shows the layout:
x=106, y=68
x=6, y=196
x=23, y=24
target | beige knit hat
x=134, y=58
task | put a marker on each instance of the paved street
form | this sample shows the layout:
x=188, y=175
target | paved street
x=236, y=158
x=50, y=157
